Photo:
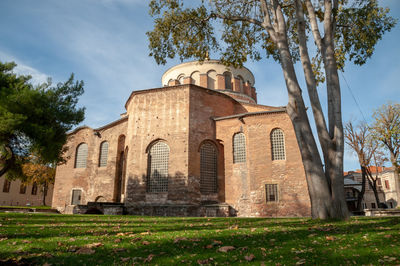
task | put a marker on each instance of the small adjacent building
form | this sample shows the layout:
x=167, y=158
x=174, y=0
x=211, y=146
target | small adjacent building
x=387, y=187
x=200, y=145
x=15, y=193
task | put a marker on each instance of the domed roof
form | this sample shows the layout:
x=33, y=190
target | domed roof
x=211, y=74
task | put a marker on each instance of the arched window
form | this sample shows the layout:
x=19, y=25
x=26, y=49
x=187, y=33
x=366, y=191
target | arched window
x=228, y=80
x=278, y=145
x=239, y=148
x=208, y=168
x=157, y=175
x=81, y=155
x=103, y=154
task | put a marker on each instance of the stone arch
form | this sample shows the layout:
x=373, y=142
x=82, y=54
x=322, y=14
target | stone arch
x=195, y=78
x=180, y=78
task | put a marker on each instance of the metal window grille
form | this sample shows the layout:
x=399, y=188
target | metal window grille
x=34, y=189
x=239, y=148
x=278, y=145
x=208, y=168
x=103, y=154
x=6, y=185
x=228, y=81
x=81, y=156
x=271, y=192
x=22, y=189
x=157, y=177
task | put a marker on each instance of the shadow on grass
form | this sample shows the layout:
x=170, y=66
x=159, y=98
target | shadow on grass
x=40, y=239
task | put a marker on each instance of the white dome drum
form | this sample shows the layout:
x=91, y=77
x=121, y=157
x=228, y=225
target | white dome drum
x=211, y=74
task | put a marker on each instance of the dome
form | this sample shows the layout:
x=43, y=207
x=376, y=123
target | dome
x=211, y=74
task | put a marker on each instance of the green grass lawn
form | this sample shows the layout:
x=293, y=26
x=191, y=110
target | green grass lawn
x=126, y=240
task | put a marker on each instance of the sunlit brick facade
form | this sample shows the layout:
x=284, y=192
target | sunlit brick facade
x=173, y=151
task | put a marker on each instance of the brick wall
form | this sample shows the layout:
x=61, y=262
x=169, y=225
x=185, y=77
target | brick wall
x=14, y=198
x=245, y=189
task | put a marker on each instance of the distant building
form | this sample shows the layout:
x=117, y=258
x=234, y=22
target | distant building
x=387, y=187
x=198, y=146
x=14, y=193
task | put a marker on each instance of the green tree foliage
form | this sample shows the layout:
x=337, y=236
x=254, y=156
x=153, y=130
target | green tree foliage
x=239, y=30
x=34, y=119
x=386, y=129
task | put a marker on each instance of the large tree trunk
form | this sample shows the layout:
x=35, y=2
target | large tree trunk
x=318, y=186
x=45, y=188
x=360, y=195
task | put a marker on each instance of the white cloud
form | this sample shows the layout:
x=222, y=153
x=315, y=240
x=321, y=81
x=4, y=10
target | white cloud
x=24, y=69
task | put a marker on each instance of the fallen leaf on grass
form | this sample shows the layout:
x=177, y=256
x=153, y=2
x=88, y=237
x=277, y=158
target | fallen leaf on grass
x=250, y=257
x=330, y=238
x=119, y=249
x=301, y=262
x=179, y=239
x=146, y=243
x=206, y=261
x=226, y=248
x=85, y=250
x=388, y=236
x=125, y=259
x=149, y=258
x=94, y=245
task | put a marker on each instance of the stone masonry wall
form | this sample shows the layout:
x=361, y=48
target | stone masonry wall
x=158, y=115
x=245, y=182
x=93, y=181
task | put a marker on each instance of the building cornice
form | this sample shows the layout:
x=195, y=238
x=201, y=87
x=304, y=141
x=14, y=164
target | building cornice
x=280, y=110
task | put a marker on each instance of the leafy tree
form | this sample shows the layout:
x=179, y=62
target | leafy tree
x=282, y=29
x=34, y=119
x=361, y=141
x=37, y=172
x=386, y=129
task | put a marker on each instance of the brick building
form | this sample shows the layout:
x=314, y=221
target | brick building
x=15, y=193
x=200, y=145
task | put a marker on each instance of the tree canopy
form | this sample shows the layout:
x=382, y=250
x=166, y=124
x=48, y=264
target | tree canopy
x=386, y=129
x=35, y=119
x=238, y=30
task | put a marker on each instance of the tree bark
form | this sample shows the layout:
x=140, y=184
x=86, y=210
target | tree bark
x=321, y=205
x=362, y=192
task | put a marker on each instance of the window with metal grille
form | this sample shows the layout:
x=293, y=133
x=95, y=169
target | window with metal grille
x=34, y=188
x=81, y=155
x=22, y=189
x=157, y=176
x=228, y=80
x=278, y=145
x=103, y=154
x=239, y=148
x=208, y=168
x=6, y=185
x=271, y=192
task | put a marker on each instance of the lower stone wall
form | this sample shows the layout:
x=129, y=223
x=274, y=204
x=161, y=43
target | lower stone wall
x=369, y=212
x=214, y=210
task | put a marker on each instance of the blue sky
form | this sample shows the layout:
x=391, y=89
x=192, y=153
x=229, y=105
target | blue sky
x=104, y=43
